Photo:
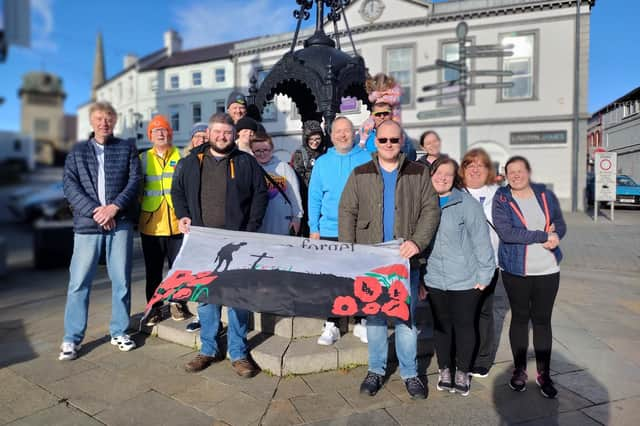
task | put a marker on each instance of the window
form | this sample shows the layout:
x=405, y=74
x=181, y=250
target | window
x=399, y=61
x=119, y=91
x=174, y=116
x=451, y=53
x=219, y=105
x=196, y=78
x=220, y=75
x=196, y=110
x=131, y=88
x=521, y=64
x=174, y=82
x=270, y=112
x=153, y=84
x=41, y=126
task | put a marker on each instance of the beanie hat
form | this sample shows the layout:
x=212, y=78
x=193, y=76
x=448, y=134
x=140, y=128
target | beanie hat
x=247, y=123
x=198, y=127
x=159, y=122
x=236, y=97
x=311, y=127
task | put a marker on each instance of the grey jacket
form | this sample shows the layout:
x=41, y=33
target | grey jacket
x=416, y=211
x=461, y=255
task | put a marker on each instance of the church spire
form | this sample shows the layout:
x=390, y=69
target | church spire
x=98, y=67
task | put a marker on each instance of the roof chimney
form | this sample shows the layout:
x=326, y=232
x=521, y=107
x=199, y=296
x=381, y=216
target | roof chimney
x=129, y=60
x=172, y=42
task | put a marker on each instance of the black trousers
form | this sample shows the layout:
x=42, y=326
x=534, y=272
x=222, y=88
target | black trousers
x=485, y=328
x=157, y=249
x=453, y=326
x=531, y=299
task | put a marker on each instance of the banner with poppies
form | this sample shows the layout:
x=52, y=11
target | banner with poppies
x=288, y=276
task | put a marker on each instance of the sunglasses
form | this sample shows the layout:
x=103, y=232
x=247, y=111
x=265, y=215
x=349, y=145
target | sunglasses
x=385, y=140
x=380, y=114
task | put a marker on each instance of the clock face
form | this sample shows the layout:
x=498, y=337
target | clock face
x=371, y=9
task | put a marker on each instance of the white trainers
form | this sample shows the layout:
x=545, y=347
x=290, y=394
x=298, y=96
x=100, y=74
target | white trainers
x=123, y=342
x=360, y=331
x=330, y=334
x=68, y=351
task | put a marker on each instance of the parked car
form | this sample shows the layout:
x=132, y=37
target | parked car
x=30, y=204
x=627, y=190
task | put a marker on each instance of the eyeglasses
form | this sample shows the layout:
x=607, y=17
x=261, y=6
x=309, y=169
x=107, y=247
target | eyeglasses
x=261, y=151
x=392, y=140
x=315, y=139
x=381, y=114
x=159, y=130
x=475, y=166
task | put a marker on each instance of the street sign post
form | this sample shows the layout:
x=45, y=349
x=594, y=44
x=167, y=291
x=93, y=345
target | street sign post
x=606, y=166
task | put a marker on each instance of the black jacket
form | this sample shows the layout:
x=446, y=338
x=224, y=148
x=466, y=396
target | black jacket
x=246, y=197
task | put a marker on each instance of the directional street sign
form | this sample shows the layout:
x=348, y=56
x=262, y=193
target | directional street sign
x=436, y=113
x=490, y=85
x=454, y=65
x=440, y=85
x=490, y=73
x=489, y=54
x=439, y=97
x=489, y=47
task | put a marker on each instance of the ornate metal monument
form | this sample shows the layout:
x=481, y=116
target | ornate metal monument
x=320, y=74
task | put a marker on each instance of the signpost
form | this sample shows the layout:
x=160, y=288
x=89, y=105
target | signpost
x=606, y=165
x=462, y=84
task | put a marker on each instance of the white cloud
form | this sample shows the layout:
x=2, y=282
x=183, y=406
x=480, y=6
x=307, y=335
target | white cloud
x=207, y=22
x=42, y=26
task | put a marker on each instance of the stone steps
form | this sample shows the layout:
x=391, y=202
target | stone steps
x=287, y=345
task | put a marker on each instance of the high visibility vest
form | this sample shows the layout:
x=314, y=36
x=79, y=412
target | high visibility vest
x=157, y=179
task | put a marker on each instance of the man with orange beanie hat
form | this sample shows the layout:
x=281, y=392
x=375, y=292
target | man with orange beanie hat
x=161, y=239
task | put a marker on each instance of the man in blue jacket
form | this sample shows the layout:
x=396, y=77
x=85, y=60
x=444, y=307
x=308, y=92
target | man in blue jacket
x=101, y=180
x=329, y=175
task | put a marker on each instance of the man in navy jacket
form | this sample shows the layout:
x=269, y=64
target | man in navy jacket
x=101, y=180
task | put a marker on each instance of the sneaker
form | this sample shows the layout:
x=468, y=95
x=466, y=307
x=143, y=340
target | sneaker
x=123, y=342
x=68, y=351
x=444, y=380
x=193, y=325
x=462, y=383
x=360, y=331
x=244, y=368
x=546, y=386
x=179, y=311
x=415, y=388
x=155, y=316
x=330, y=334
x=518, y=380
x=199, y=363
x=480, y=372
x=371, y=384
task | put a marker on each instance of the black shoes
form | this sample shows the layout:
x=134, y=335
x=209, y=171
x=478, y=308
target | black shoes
x=445, y=382
x=546, y=386
x=416, y=388
x=518, y=380
x=479, y=372
x=371, y=384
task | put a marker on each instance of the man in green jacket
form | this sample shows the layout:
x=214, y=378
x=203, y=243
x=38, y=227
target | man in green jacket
x=386, y=199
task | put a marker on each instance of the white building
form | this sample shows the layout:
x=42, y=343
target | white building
x=534, y=118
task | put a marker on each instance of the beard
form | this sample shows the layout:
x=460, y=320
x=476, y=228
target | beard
x=223, y=150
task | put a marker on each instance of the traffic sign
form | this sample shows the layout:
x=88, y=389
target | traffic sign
x=490, y=47
x=436, y=113
x=605, y=178
x=439, y=96
x=490, y=73
x=441, y=85
x=474, y=86
x=489, y=54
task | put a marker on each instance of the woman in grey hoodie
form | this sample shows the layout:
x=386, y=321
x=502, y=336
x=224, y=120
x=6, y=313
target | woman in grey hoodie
x=284, y=210
x=460, y=265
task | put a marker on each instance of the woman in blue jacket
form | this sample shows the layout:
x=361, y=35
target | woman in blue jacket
x=460, y=265
x=529, y=222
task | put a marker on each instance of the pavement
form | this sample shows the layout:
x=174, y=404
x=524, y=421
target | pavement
x=596, y=357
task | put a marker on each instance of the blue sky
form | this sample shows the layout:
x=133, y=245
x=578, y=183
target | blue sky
x=64, y=31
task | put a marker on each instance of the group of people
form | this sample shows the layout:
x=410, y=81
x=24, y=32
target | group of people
x=458, y=229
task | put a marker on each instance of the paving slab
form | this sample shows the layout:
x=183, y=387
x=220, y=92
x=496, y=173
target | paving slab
x=375, y=417
x=572, y=418
x=61, y=414
x=623, y=413
x=290, y=386
x=47, y=369
x=205, y=394
x=19, y=397
x=362, y=403
x=281, y=413
x=97, y=389
x=158, y=409
x=322, y=406
x=239, y=409
x=329, y=381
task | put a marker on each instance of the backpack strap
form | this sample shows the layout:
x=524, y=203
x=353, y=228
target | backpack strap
x=273, y=182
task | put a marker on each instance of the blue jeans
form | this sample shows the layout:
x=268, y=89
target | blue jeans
x=209, y=315
x=86, y=253
x=406, y=339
